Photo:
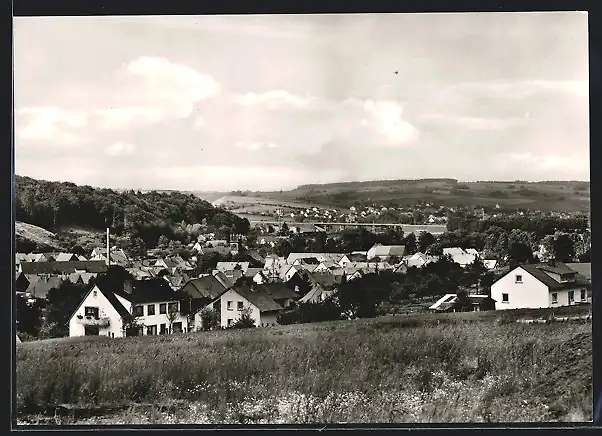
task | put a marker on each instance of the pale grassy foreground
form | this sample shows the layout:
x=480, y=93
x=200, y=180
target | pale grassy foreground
x=447, y=368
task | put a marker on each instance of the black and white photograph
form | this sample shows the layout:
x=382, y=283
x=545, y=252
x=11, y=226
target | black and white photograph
x=302, y=219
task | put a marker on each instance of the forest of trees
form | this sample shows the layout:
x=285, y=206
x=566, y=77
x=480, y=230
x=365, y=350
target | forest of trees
x=143, y=217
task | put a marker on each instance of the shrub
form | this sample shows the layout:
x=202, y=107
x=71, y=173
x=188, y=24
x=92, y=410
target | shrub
x=245, y=320
x=209, y=318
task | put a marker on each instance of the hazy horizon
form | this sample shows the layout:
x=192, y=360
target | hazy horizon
x=268, y=103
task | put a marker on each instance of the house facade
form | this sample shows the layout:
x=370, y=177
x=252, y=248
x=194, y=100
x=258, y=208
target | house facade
x=150, y=304
x=539, y=286
x=231, y=304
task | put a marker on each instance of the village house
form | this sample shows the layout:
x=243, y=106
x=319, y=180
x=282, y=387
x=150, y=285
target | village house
x=231, y=266
x=144, y=307
x=543, y=285
x=460, y=256
x=116, y=256
x=231, y=303
x=385, y=252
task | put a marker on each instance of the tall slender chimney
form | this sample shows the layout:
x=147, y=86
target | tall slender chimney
x=108, y=247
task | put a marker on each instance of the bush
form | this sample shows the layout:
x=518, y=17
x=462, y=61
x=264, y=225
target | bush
x=209, y=318
x=245, y=321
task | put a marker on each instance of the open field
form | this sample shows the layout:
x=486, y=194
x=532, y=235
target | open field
x=471, y=367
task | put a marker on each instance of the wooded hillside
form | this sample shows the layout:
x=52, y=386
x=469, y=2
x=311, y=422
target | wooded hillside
x=59, y=205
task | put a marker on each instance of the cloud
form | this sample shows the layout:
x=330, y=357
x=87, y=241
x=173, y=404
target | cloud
x=152, y=89
x=472, y=123
x=120, y=149
x=43, y=123
x=199, y=122
x=273, y=100
x=255, y=146
x=520, y=88
x=386, y=118
x=521, y=156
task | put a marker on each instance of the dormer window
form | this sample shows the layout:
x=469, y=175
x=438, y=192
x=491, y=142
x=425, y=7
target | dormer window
x=518, y=278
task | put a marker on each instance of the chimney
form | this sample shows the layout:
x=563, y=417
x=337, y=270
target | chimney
x=108, y=252
x=128, y=286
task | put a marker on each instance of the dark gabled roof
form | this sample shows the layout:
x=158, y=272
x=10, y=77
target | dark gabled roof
x=583, y=269
x=252, y=272
x=278, y=291
x=40, y=288
x=122, y=311
x=539, y=273
x=204, y=287
x=148, y=291
x=255, y=255
x=259, y=299
x=69, y=267
x=357, y=257
x=557, y=268
x=110, y=296
x=326, y=279
x=225, y=281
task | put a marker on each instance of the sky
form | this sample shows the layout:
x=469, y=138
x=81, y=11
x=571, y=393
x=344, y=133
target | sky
x=269, y=102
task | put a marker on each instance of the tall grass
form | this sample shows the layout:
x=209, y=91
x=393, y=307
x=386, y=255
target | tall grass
x=422, y=369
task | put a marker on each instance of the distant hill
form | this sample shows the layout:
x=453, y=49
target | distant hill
x=57, y=206
x=544, y=196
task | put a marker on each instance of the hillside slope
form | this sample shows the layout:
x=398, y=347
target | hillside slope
x=30, y=237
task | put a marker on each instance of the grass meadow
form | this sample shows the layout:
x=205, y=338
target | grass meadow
x=457, y=368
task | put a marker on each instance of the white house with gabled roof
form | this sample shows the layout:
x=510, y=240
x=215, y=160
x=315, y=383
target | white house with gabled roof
x=540, y=286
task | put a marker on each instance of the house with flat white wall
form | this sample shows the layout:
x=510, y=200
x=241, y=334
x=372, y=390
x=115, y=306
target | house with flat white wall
x=539, y=286
x=151, y=304
x=232, y=302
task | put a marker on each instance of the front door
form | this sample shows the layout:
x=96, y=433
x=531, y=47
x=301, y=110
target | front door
x=177, y=327
x=91, y=330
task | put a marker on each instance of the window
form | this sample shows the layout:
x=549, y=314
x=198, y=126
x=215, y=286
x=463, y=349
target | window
x=91, y=311
x=151, y=330
x=504, y=298
x=519, y=279
x=138, y=311
x=239, y=305
x=583, y=295
x=163, y=329
x=95, y=293
x=554, y=298
x=229, y=305
x=177, y=327
x=571, y=296
x=173, y=307
x=150, y=309
x=163, y=308
x=229, y=322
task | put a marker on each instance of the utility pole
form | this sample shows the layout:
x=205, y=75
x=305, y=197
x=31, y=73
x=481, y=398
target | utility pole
x=108, y=248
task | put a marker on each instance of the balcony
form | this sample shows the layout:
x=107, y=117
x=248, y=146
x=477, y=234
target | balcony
x=93, y=321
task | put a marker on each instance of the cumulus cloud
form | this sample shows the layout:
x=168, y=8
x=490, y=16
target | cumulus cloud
x=386, y=118
x=273, y=100
x=42, y=123
x=153, y=89
x=120, y=149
